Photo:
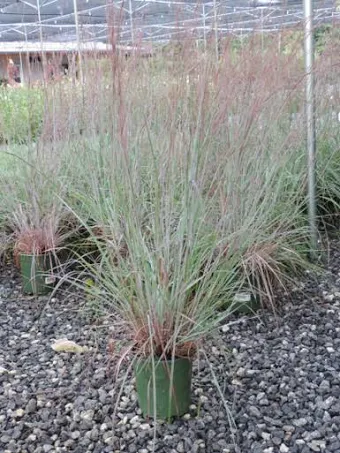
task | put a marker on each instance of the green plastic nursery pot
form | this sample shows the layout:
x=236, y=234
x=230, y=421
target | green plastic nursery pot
x=154, y=380
x=33, y=272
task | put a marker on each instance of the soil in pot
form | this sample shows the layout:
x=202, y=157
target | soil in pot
x=35, y=276
x=164, y=387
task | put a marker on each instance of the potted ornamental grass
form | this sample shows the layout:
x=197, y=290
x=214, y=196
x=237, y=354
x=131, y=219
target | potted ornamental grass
x=36, y=242
x=171, y=249
x=165, y=308
x=167, y=288
x=175, y=280
x=35, y=265
x=32, y=185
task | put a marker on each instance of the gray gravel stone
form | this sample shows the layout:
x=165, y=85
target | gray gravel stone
x=300, y=422
x=254, y=411
x=284, y=448
x=31, y=406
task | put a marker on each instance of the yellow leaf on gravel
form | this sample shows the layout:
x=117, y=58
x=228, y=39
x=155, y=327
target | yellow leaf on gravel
x=65, y=345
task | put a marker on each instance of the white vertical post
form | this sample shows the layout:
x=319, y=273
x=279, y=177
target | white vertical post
x=43, y=55
x=262, y=37
x=40, y=24
x=216, y=30
x=204, y=27
x=80, y=59
x=28, y=64
x=22, y=75
x=310, y=120
x=131, y=24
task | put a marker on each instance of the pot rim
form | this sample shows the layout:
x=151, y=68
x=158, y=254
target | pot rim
x=159, y=360
x=33, y=254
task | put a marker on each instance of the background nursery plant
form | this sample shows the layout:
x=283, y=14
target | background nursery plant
x=33, y=213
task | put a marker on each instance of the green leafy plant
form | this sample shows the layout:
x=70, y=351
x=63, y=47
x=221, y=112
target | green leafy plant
x=21, y=114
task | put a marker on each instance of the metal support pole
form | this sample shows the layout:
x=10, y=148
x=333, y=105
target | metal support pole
x=22, y=74
x=80, y=58
x=216, y=31
x=132, y=32
x=43, y=55
x=262, y=25
x=40, y=24
x=28, y=64
x=310, y=120
x=204, y=29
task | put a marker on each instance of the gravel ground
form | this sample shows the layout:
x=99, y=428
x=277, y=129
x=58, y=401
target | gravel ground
x=279, y=375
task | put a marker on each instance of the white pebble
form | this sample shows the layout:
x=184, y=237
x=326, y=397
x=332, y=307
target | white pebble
x=144, y=426
x=134, y=419
x=203, y=399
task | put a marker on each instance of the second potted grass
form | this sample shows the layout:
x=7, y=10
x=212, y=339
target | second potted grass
x=34, y=250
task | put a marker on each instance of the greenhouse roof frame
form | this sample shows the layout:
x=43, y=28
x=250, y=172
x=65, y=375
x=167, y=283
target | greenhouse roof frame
x=149, y=20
